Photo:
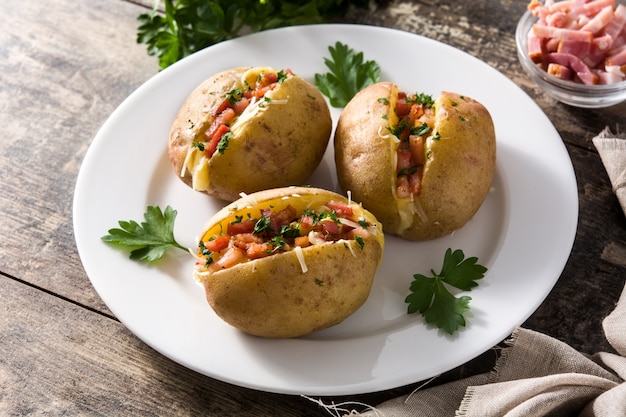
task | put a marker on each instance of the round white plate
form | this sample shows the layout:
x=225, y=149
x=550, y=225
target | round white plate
x=523, y=232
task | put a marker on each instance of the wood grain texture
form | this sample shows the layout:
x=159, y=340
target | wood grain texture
x=64, y=67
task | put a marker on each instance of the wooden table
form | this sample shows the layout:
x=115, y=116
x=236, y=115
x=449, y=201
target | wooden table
x=65, y=66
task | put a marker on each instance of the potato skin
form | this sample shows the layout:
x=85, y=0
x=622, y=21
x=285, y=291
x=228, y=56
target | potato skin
x=458, y=172
x=280, y=146
x=272, y=297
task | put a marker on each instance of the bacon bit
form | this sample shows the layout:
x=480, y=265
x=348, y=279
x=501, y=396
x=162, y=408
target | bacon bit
x=561, y=71
x=218, y=244
x=562, y=34
x=576, y=64
x=617, y=58
x=584, y=36
x=599, y=21
x=258, y=250
x=233, y=256
x=245, y=226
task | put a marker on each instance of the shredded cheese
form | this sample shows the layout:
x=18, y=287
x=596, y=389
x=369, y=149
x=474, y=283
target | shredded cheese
x=300, y=256
x=349, y=243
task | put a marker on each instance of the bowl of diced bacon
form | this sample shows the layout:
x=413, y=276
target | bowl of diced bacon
x=575, y=50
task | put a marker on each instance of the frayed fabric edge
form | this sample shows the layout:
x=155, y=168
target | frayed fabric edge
x=493, y=375
x=504, y=355
x=607, y=133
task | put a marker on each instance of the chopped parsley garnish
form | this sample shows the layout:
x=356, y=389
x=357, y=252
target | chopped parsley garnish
x=199, y=145
x=264, y=224
x=420, y=130
x=234, y=95
x=436, y=136
x=282, y=76
x=223, y=143
x=407, y=171
x=421, y=98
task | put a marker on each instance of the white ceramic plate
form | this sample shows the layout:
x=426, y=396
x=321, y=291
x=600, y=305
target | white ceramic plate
x=523, y=232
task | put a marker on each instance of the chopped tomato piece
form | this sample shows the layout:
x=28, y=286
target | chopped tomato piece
x=214, y=140
x=222, y=106
x=268, y=79
x=340, y=208
x=241, y=105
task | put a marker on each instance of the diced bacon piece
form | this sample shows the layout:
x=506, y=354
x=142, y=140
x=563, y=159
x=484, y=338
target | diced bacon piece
x=562, y=34
x=617, y=57
x=580, y=49
x=618, y=23
x=557, y=20
x=594, y=7
x=552, y=45
x=620, y=40
x=582, y=70
x=561, y=71
x=612, y=75
x=535, y=48
x=582, y=35
x=599, y=21
x=561, y=5
x=599, y=49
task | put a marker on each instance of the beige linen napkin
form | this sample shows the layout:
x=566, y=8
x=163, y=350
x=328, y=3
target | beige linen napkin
x=536, y=375
x=612, y=150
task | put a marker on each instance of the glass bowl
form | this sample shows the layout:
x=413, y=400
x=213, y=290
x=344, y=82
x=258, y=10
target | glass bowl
x=568, y=92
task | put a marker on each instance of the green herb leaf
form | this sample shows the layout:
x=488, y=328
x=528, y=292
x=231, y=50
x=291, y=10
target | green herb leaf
x=186, y=26
x=348, y=75
x=432, y=299
x=148, y=241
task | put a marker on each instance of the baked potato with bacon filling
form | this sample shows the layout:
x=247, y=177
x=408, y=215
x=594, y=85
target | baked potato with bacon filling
x=249, y=129
x=286, y=262
x=422, y=166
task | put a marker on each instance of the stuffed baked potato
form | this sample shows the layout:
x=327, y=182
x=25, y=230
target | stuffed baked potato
x=423, y=167
x=249, y=129
x=286, y=262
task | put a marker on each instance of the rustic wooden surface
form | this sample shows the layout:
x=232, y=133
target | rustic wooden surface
x=64, y=67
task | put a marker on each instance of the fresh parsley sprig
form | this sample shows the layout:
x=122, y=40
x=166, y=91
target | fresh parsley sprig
x=148, y=241
x=186, y=26
x=348, y=75
x=432, y=299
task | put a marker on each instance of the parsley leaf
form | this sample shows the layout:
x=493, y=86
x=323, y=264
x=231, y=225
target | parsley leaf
x=348, y=75
x=148, y=241
x=432, y=299
x=186, y=26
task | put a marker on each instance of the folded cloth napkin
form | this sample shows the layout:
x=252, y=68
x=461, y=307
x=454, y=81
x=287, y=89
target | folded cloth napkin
x=612, y=150
x=536, y=375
